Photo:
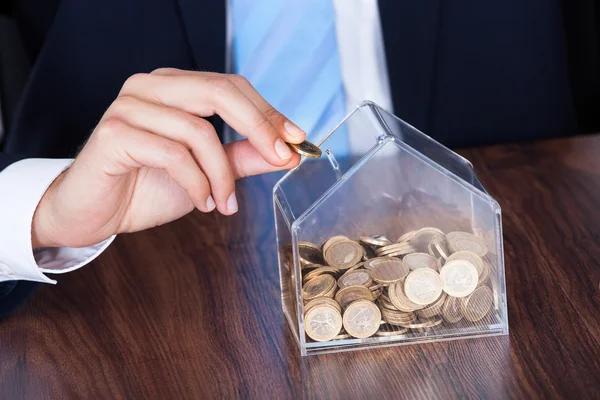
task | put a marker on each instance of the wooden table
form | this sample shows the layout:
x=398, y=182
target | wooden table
x=192, y=309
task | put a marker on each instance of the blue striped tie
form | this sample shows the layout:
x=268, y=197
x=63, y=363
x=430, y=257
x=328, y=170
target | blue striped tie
x=288, y=50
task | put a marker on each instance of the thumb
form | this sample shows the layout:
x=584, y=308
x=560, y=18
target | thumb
x=245, y=160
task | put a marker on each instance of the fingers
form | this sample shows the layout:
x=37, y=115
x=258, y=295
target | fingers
x=196, y=134
x=134, y=148
x=245, y=160
x=290, y=132
x=205, y=95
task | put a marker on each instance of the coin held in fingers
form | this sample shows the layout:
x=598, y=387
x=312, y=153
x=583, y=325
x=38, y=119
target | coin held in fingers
x=306, y=149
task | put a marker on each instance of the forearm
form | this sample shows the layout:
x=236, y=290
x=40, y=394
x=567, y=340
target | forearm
x=23, y=261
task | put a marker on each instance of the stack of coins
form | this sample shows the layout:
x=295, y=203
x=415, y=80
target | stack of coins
x=425, y=281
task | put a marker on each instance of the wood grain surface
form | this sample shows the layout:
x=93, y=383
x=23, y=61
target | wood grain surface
x=192, y=309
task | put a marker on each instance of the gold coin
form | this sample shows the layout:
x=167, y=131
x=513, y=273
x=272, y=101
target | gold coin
x=310, y=253
x=362, y=319
x=470, y=257
x=387, y=270
x=394, y=253
x=350, y=294
x=451, y=310
x=342, y=336
x=398, y=298
x=459, y=278
x=421, y=239
x=393, y=247
x=381, y=252
x=323, y=323
x=478, y=304
x=386, y=304
x=310, y=267
x=357, y=266
x=423, y=286
x=306, y=149
x=456, y=234
x=398, y=253
x=319, y=271
x=462, y=241
x=376, y=240
x=404, y=325
x=396, y=316
x=406, y=237
x=333, y=240
x=322, y=301
x=428, y=323
x=438, y=247
x=385, y=298
x=331, y=291
x=485, y=274
x=420, y=260
x=390, y=330
x=401, y=324
x=317, y=287
x=357, y=277
x=344, y=254
x=309, y=244
x=391, y=317
x=370, y=264
x=434, y=309
x=383, y=238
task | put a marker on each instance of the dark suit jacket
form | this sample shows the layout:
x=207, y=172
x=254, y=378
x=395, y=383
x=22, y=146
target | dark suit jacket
x=466, y=72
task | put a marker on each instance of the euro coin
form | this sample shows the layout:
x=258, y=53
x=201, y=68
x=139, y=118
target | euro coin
x=362, y=319
x=420, y=260
x=459, y=278
x=357, y=277
x=322, y=323
x=423, y=286
x=477, y=304
x=318, y=286
x=388, y=270
x=306, y=149
x=344, y=254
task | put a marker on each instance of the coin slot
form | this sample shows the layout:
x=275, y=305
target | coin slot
x=332, y=160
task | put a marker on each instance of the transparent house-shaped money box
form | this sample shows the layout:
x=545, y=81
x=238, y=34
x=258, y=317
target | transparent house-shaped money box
x=388, y=238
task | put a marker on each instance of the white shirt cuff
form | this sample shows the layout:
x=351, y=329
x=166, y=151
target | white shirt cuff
x=22, y=186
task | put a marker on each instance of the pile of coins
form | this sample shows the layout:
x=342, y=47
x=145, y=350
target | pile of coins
x=424, y=281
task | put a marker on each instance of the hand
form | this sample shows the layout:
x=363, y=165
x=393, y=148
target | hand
x=153, y=158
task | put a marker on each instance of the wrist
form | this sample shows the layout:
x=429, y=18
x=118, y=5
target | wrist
x=43, y=230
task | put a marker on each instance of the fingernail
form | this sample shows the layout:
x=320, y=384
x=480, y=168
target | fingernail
x=282, y=149
x=232, y=205
x=292, y=129
x=210, y=203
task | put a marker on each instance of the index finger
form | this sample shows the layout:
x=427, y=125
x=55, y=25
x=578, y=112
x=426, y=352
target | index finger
x=205, y=95
x=292, y=133
x=246, y=161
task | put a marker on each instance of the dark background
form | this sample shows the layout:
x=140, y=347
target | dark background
x=22, y=34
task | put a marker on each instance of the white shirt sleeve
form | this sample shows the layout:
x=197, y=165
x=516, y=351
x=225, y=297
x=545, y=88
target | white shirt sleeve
x=22, y=186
